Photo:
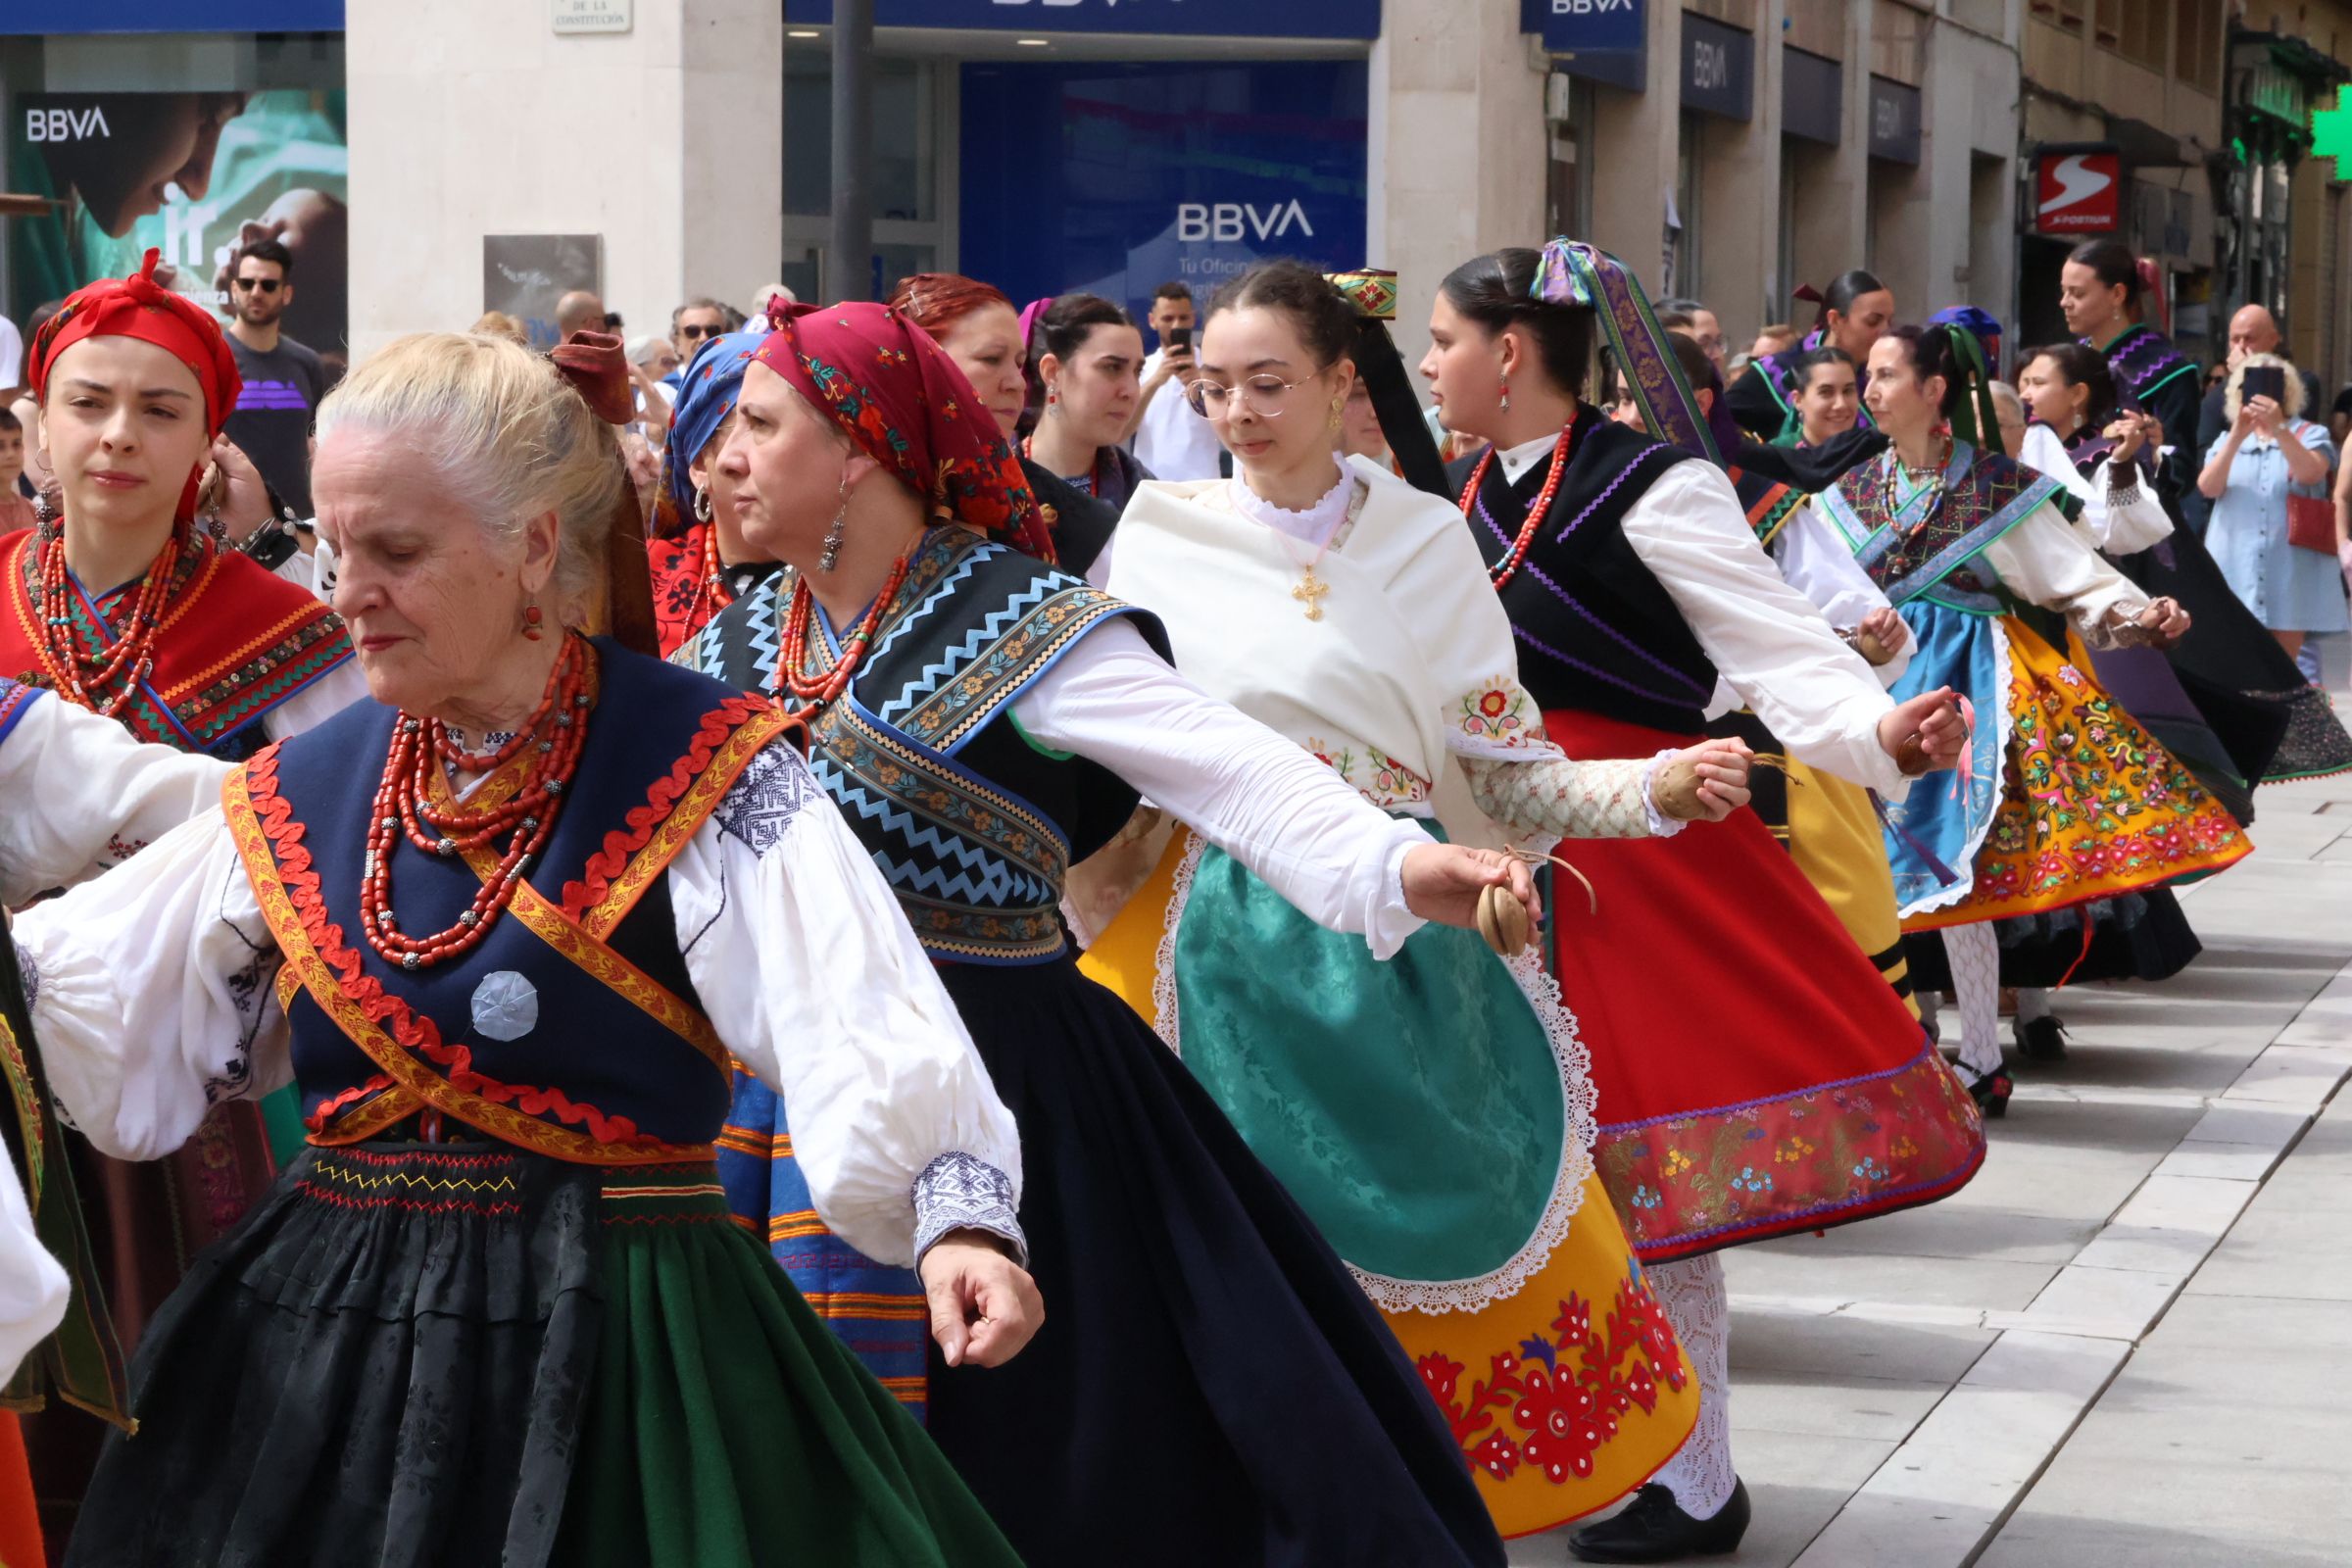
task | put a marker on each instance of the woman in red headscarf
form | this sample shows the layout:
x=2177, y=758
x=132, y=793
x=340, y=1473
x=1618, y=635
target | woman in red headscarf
x=129, y=605
x=1215, y=1387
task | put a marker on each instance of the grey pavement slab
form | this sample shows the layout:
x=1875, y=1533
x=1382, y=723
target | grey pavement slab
x=2224, y=1442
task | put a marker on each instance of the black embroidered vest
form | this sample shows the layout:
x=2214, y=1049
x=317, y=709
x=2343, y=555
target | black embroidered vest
x=1597, y=632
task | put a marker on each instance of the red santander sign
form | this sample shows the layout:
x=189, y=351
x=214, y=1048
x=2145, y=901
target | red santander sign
x=2077, y=191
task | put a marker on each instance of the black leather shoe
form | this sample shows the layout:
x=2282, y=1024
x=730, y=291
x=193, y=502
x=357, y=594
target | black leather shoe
x=2041, y=1039
x=1990, y=1091
x=1656, y=1530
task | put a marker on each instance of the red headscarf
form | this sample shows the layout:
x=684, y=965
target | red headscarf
x=897, y=394
x=139, y=307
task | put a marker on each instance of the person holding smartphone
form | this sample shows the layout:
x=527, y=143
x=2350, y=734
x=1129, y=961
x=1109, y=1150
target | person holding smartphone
x=1169, y=438
x=2269, y=463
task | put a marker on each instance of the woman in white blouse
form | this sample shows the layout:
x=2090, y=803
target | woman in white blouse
x=504, y=928
x=2064, y=797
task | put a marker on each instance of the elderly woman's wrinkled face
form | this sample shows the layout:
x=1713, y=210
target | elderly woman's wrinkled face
x=434, y=601
x=124, y=422
x=783, y=466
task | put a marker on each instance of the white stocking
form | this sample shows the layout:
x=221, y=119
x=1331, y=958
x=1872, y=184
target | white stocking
x=1699, y=1306
x=1974, y=953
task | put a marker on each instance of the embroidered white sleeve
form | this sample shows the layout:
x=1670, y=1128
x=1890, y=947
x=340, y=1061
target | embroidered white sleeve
x=82, y=796
x=1606, y=799
x=812, y=978
x=957, y=1193
x=152, y=992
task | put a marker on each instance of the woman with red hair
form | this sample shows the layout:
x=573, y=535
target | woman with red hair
x=982, y=334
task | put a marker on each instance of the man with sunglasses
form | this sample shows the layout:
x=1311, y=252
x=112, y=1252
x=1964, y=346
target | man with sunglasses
x=283, y=379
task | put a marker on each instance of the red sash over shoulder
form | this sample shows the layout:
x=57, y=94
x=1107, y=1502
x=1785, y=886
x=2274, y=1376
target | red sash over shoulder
x=235, y=642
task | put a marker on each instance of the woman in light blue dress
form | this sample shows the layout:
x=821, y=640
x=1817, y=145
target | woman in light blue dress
x=2267, y=453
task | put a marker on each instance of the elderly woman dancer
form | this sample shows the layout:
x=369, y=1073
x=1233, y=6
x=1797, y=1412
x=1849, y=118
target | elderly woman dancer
x=504, y=927
x=1222, y=1393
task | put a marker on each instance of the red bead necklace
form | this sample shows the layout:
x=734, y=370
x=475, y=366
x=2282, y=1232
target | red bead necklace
x=711, y=594
x=816, y=690
x=91, y=680
x=1507, y=567
x=1094, y=473
x=406, y=800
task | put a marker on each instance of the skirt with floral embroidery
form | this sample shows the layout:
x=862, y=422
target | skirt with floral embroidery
x=1757, y=1075
x=2092, y=804
x=1433, y=1117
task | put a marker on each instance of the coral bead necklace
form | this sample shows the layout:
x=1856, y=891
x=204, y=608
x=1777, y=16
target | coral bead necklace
x=1507, y=567
x=818, y=688
x=407, y=802
x=104, y=681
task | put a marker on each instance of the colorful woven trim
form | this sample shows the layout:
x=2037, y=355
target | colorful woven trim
x=220, y=666
x=407, y=1047
x=923, y=800
x=1701, y=1180
x=1370, y=289
x=618, y=875
x=16, y=701
x=687, y=1193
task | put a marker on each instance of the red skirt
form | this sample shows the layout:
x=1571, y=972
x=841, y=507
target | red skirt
x=1756, y=1075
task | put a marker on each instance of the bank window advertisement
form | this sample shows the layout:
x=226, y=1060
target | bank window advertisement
x=192, y=175
x=1188, y=172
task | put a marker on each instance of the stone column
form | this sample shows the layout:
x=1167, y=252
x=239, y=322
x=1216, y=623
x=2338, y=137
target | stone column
x=1459, y=149
x=470, y=119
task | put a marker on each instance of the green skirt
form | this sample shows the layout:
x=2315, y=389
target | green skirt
x=455, y=1355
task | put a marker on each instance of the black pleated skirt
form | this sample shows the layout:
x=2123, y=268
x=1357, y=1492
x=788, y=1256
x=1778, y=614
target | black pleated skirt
x=1211, y=1389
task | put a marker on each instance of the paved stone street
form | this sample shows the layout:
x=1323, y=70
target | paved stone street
x=2129, y=1341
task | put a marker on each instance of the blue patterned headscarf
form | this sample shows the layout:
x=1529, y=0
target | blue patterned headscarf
x=713, y=381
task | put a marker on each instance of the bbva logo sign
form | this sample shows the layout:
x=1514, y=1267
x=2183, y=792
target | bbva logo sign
x=1230, y=221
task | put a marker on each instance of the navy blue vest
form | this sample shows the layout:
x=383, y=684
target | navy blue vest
x=536, y=1036
x=974, y=827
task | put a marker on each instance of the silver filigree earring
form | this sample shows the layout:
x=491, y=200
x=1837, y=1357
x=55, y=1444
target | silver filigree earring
x=702, y=504
x=841, y=516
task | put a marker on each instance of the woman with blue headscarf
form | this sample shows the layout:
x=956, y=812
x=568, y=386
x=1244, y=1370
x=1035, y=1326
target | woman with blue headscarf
x=696, y=555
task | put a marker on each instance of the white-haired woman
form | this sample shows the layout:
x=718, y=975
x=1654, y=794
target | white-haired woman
x=2269, y=456
x=504, y=927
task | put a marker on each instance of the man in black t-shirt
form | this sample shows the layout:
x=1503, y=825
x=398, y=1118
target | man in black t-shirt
x=283, y=379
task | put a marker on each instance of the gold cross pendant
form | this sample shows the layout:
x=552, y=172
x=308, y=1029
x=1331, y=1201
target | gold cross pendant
x=1310, y=592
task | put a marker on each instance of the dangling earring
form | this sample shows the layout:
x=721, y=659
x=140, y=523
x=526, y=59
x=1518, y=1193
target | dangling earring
x=702, y=504
x=530, y=621
x=43, y=513
x=832, y=555
x=1505, y=405
x=1053, y=400
x=1339, y=406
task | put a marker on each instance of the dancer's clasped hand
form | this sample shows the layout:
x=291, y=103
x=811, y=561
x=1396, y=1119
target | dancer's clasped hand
x=1442, y=882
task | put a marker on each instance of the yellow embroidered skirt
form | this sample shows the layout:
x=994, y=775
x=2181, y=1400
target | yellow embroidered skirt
x=1565, y=1386
x=1836, y=841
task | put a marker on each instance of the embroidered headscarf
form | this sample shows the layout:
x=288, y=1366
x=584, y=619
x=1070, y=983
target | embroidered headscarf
x=894, y=393
x=1378, y=364
x=1572, y=272
x=139, y=307
x=711, y=383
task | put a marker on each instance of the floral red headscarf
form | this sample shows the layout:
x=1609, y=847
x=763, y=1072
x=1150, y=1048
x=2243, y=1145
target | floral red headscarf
x=139, y=307
x=895, y=394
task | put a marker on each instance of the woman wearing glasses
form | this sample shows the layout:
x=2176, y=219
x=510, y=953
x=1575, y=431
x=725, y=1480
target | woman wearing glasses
x=1085, y=363
x=1432, y=1112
